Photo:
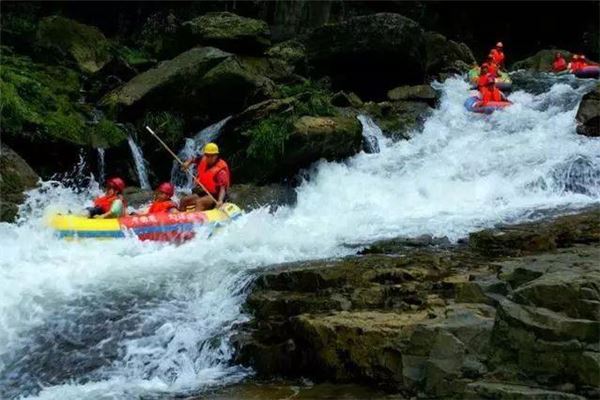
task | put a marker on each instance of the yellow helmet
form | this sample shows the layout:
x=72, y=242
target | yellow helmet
x=211, y=148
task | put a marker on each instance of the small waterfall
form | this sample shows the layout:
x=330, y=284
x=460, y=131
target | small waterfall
x=371, y=133
x=101, y=167
x=140, y=163
x=191, y=148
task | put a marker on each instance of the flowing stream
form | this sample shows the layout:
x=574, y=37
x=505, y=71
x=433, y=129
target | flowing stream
x=128, y=320
x=140, y=163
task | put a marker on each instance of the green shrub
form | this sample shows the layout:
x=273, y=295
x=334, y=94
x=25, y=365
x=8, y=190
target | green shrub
x=170, y=126
x=268, y=138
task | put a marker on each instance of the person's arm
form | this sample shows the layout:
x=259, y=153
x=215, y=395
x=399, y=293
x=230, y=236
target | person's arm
x=116, y=210
x=187, y=163
x=221, y=197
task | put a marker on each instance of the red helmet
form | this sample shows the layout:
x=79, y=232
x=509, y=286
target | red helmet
x=491, y=80
x=116, y=183
x=581, y=57
x=167, y=188
x=499, y=44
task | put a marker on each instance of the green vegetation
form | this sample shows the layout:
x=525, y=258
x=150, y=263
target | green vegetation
x=43, y=101
x=169, y=125
x=269, y=135
x=134, y=57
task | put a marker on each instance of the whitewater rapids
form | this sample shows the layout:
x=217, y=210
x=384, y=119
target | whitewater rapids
x=124, y=319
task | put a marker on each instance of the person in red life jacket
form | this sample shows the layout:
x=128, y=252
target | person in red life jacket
x=492, y=66
x=213, y=174
x=483, y=76
x=497, y=54
x=575, y=63
x=491, y=93
x=111, y=204
x=163, y=202
x=559, y=64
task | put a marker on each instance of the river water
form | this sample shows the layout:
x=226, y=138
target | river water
x=127, y=320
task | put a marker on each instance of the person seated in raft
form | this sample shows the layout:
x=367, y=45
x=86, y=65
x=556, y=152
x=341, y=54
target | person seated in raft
x=163, y=202
x=483, y=76
x=575, y=63
x=497, y=55
x=213, y=174
x=559, y=64
x=111, y=204
x=491, y=93
x=492, y=66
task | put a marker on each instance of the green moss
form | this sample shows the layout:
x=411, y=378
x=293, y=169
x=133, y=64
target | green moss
x=134, y=57
x=268, y=138
x=169, y=125
x=107, y=133
x=85, y=44
x=43, y=101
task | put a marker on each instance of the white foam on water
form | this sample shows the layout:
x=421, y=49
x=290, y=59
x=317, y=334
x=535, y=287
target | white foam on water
x=140, y=163
x=126, y=319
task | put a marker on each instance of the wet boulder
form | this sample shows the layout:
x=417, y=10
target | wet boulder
x=588, y=114
x=227, y=31
x=16, y=176
x=444, y=56
x=203, y=81
x=397, y=119
x=540, y=61
x=292, y=52
x=84, y=45
x=368, y=54
x=422, y=93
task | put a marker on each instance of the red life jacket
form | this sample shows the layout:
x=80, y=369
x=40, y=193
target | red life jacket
x=577, y=65
x=482, y=81
x=105, y=203
x=560, y=64
x=491, y=95
x=207, y=176
x=161, y=206
x=493, y=68
x=497, y=56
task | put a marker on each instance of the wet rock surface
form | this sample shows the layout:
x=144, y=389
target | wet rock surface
x=588, y=114
x=512, y=316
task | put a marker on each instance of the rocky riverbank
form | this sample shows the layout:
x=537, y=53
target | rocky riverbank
x=511, y=312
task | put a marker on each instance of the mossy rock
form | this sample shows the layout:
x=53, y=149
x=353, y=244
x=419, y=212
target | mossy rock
x=588, y=114
x=227, y=31
x=40, y=104
x=85, y=45
x=16, y=176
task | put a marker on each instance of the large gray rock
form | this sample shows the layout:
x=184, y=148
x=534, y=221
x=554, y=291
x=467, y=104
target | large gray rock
x=16, y=176
x=446, y=56
x=588, y=114
x=227, y=31
x=368, y=54
x=85, y=45
x=201, y=81
x=508, y=391
x=424, y=93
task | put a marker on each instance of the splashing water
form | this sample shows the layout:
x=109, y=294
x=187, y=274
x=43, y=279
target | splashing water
x=125, y=319
x=371, y=133
x=140, y=163
x=101, y=165
x=191, y=148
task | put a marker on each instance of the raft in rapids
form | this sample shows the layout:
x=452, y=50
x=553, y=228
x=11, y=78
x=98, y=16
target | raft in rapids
x=591, y=71
x=169, y=227
x=473, y=104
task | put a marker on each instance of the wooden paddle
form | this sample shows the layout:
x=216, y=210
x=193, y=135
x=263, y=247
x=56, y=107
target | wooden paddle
x=196, y=179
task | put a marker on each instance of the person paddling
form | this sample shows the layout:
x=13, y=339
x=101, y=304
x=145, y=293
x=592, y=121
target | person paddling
x=559, y=64
x=483, y=76
x=213, y=173
x=575, y=64
x=112, y=203
x=163, y=202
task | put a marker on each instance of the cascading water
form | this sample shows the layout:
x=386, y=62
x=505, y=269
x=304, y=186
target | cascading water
x=125, y=319
x=101, y=165
x=140, y=163
x=191, y=148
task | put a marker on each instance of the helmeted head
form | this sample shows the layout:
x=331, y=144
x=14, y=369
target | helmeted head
x=491, y=80
x=582, y=57
x=115, y=184
x=557, y=56
x=484, y=67
x=165, y=190
x=575, y=57
x=211, y=153
x=499, y=45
